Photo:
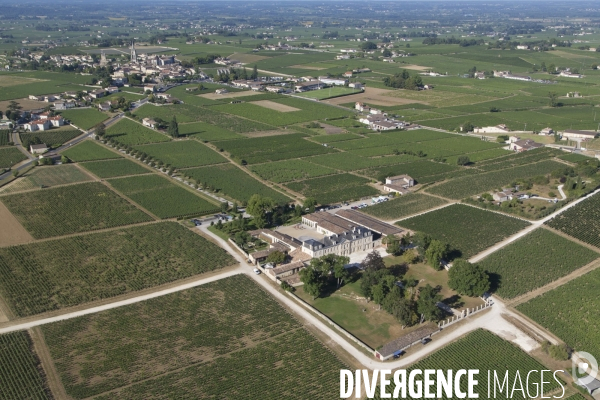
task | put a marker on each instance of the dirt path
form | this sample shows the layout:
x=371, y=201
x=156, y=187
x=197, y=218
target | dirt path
x=127, y=199
x=52, y=375
x=11, y=230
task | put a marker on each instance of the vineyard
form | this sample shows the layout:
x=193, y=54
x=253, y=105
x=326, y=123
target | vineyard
x=61, y=273
x=485, y=351
x=514, y=160
x=574, y=158
x=534, y=261
x=463, y=187
x=403, y=206
x=468, y=230
x=183, y=153
x=340, y=137
x=53, y=138
x=290, y=170
x=334, y=188
x=582, y=221
x=353, y=163
x=10, y=156
x=272, y=148
x=208, y=132
x=128, y=132
x=89, y=151
x=5, y=138
x=570, y=312
x=225, y=339
x=85, y=118
x=416, y=170
x=71, y=209
x=230, y=181
x=20, y=370
x=44, y=177
x=162, y=197
x=114, y=168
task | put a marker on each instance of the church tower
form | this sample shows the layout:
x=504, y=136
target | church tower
x=103, y=61
x=133, y=52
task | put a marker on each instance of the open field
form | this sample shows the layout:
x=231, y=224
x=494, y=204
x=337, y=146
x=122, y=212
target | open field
x=345, y=163
x=581, y=222
x=208, y=132
x=403, y=206
x=500, y=356
x=334, y=188
x=162, y=197
x=183, y=153
x=229, y=180
x=47, y=176
x=76, y=270
x=328, y=93
x=11, y=232
x=187, y=345
x=373, y=96
x=114, y=168
x=534, y=261
x=26, y=103
x=71, y=209
x=12, y=80
x=468, y=230
x=568, y=311
x=274, y=106
x=230, y=95
x=88, y=150
x=22, y=375
x=85, y=118
x=290, y=170
x=10, y=156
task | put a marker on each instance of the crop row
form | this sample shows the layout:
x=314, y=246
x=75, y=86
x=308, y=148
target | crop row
x=10, y=156
x=47, y=176
x=89, y=151
x=61, y=273
x=84, y=118
x=514, y=160
x=183, y=153
x=412, y=203
x=582, y=221
x=334, y=188
x=416, y=170
x=352, y=162
x=114, y=168
x=5, y=137
x=50, y=138
x=290, y=170
x=208, y=132
x=129, y=132
x=162, y=197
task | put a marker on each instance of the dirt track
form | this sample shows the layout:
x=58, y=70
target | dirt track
x=275, y=106
x=11, y=230
x=374, y=96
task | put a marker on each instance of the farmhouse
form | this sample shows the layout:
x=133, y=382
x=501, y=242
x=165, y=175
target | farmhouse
x=286, y=272
x=568, y=74
x=96, y=94
x=221, y=91
x=573, y=134
x=39, y=125
x=398, y=184
x=150, y=123
x=56, y=121
x=105, y=106
x=362, y=107
x=524, y=145
x=547, y=132
x=356, y=85
x=38, y=148
x=384, y=125
x=347, y=74
x=274, y=89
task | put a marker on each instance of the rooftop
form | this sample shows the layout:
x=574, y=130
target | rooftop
x=369, y=222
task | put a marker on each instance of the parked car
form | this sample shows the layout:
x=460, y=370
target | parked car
x=256, y=271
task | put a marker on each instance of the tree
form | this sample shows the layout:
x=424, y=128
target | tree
x=543, y=66
x=64, y=159
x=173, y=129
x=309, y=203
x=468, y=279
x=258, y=207
x=421, y=241
x=551, y=68
x=427, y=303
x=368, y=46
x=254, y=72
x=435, y=253
x=463, y=160
x=468, y=127
x=594, y=66
x=553, y=97
x=100, y=130
x=15, y=173
x=393, y=245
x=373, y=261
x=276, y=257
x=312, y=280
x=400, y=307
x=298, y=211
x=339, y=270
x=224, y=207
x=378, y=293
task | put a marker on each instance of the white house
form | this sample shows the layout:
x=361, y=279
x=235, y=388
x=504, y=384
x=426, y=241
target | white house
x=150, y=123
x=38, y=148
x=356, y=85
x=39, y=125
x=547, y=132
x=362, y=107
x=56, y=121
x=573, y=134
x=221, y=91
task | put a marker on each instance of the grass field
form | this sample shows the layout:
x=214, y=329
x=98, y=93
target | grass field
x=10, y=156
x=208, y=132
x=162, y=197
x=114, y=168
x=85, y=118
x=20, y=370
x=468, y=230
x=582, y=221
x=569, y=312
x=403, y=206
x=500, y=356
x=230, y=181
x=71, y=209
x=183, y=153
x=534, y=261
x=89, y=151
x=290, y=170
x=47, y=176
x=61, y=273
x=53, y=138
x=187, y=346
x=129, y=132
x=334, y=188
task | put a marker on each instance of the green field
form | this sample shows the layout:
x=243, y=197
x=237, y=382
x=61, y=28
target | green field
x=334, y=188
x=61, y=273
x=132, y=133
x=20, y=369
x=484, y=351
x=183, y=153
x=208, y=132
x=71, y=209
x=114, y=168
x=534, y=261
x=569, y=312
x=290, y=170
x=230, y=181
x=353, y=163
x=468, y=230
x=52, y=138
x=403, y=206
x=162, y=197
x=88, y=150
x=184, y=345
x=85, y=118
x=10, y=156
x=47, y=176
x=328, y=93
x=582, y=221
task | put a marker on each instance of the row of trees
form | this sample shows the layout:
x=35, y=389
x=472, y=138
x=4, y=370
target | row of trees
x=404, y=80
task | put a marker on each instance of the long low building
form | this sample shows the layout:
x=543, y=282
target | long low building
x=326, y=223
x=358, y=218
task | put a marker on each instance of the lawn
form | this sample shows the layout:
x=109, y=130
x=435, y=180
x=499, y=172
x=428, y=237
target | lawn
x=184, y=345
x=534, y=261
x=129, y=132
x=114, y=168
x=88, y=150
x=403, y=206
x=76, y=270
x=468, y=230
x=183, y=153
x=85, y=118
x=71, y=209
x=162, y=197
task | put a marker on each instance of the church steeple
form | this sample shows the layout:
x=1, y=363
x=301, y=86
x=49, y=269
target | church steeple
x=133, y=52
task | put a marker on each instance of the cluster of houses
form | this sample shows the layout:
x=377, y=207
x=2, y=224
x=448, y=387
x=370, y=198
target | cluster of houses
x=68, y=100
x=43, y=122
x=380, y=121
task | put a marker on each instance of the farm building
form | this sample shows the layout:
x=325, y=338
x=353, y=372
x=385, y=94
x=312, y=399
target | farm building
x=398, y=184
x=356, y=85
x=104, y=106
x=221, y=91
x=39, y=125
x=38, y=148
x=286, y=272
x=573, y=134
x=369, y=222
x=362, y=107
x=56, y=121
x=310, y=85
x=547, y=132
x=149, y=122
x=344, y=244
x=397, y=346
x=492, y=129
x=524, y=145
x=593, y=387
